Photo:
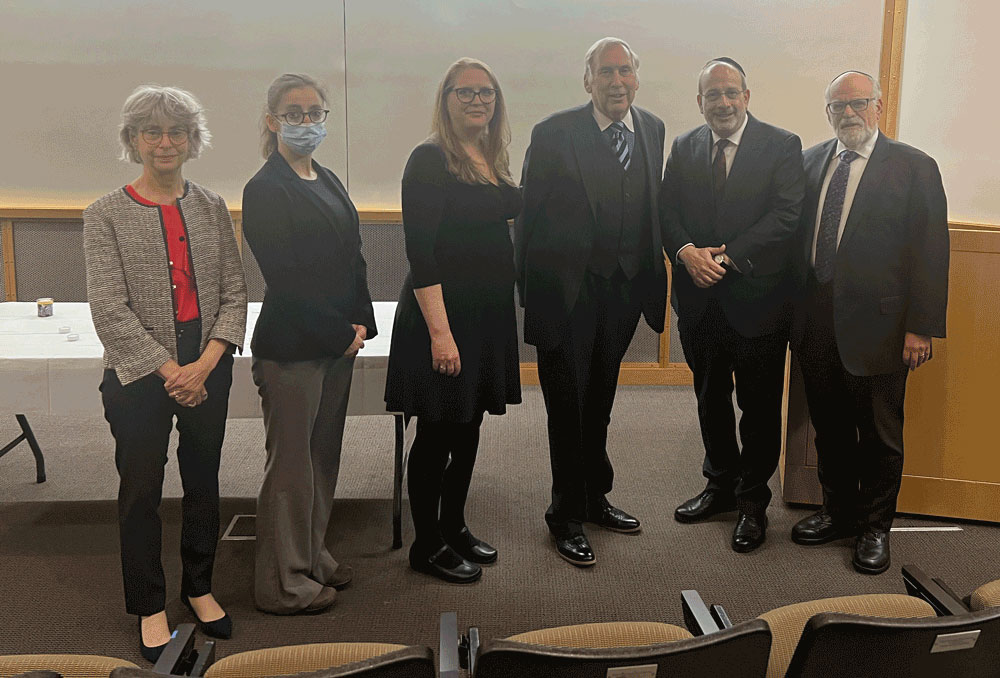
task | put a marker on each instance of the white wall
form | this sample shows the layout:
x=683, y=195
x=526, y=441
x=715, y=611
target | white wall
x=69, y=65
x=950, y=100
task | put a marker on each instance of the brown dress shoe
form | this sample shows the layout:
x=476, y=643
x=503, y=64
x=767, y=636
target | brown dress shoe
x=322, y=602
x=342, y=577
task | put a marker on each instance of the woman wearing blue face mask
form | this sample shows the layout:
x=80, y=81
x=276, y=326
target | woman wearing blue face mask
x=317, y=313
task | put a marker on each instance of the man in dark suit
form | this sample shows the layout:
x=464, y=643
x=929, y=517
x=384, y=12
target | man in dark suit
x=589, y=261
x=874, y=270
x=729, y=207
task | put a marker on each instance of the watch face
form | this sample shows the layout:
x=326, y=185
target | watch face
x=720, y=258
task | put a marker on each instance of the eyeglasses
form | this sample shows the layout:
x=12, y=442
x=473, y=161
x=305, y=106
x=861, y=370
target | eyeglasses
x=467, y=95
x=714, y=95
x=316, y=116
x=154, y=135
x=857, y=105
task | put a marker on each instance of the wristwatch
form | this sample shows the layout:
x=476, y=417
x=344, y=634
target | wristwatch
x=720, y=259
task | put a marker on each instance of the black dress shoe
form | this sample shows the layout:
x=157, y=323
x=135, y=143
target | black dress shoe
x=871, y=552
x=342, y=577
x=576, y=549
x=706, y=504
x=472, y=549
x=612, y=518
x=446, y=565
x=750, y=532
x=820, y=528
x=150, y=654
x=220, y=628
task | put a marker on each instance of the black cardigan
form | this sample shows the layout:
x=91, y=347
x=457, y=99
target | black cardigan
x=316, y=277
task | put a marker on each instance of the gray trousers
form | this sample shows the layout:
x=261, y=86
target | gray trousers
x=305, y=404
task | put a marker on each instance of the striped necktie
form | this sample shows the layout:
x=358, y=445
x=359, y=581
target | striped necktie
x=619, y=144
x=829, y=221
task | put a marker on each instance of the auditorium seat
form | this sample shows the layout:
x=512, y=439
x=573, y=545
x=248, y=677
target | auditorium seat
x=599, y=649
x=65, y=665
x=885, y=635
x=328, y=660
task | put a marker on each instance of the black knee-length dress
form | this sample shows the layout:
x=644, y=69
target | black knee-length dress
x=456, y=235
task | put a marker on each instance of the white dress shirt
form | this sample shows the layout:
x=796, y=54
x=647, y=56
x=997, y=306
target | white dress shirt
x=730, y=151
x=853, y=179
x=605, y=122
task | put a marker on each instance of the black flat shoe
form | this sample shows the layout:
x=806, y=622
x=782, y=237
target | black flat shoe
x=220, y=628
x=150, y=654
x=470, y=548
x=446, y=565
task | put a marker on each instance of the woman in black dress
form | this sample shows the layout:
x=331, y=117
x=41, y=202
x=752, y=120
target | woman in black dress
x=454, y=341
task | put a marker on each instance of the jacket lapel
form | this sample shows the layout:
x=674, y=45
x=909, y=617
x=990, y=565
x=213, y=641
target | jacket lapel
x=873, y=177
x=815, y=173
x=742, y=170
x=585, y=140
x=642, y=136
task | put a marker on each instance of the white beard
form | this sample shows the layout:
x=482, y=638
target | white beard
x=855, y=137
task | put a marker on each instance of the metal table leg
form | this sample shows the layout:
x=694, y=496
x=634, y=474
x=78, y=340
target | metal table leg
x=28, y=435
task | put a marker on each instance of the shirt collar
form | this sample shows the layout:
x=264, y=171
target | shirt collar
x=865, y=151
x=604, y=121
x=735, y=137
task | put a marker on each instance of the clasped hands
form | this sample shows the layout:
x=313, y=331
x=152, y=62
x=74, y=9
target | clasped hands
x=701, y=265
x=186, y=383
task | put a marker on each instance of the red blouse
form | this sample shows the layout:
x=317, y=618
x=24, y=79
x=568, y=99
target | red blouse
x=178, y=258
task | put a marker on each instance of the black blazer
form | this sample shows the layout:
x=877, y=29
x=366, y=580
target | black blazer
x=891, y=274
x=554, y=234
x=316, y=277
x=757, y=221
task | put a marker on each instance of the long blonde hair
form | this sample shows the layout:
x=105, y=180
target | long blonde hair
x=494, y=141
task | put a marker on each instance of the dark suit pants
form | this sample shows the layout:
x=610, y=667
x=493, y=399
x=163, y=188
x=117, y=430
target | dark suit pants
x=716, y=352
x=858, y=422
x=579, y=378
x=141, y=415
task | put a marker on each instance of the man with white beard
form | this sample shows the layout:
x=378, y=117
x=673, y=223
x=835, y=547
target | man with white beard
x=873, y=264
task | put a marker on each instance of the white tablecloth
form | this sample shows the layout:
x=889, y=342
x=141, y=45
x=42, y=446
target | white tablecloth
x=43, y=373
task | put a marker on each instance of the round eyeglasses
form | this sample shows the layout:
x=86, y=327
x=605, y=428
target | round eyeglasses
x=154, y=135
x=315, y=116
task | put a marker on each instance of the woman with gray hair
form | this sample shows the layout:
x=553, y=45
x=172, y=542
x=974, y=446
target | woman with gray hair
x=169, y=303
x=317, y=314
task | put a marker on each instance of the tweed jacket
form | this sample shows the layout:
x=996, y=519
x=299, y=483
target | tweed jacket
x=128, y=279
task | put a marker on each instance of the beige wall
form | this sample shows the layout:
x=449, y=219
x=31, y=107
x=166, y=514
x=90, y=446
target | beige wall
x=68, y=65
x=949, y=100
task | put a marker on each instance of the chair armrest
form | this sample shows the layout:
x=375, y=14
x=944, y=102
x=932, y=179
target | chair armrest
x=472, y=649
x=448, y=646
x=941, y=598
x=721, y=617
x=176, y=654
x=205, y=658
x=697, y=616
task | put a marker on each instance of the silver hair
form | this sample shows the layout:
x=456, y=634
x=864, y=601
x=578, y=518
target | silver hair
x=715, y=62
x=598, y=48
x=876, y=87
x=174, y=104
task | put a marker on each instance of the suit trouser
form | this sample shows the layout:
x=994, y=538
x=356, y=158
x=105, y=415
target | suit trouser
x=579, y=378
x=858, y=422
x=305, y=406
x=439, y=473
x=141, y=415
x=716, y=352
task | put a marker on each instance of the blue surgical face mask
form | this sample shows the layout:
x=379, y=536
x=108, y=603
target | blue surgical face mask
x=303, y=139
